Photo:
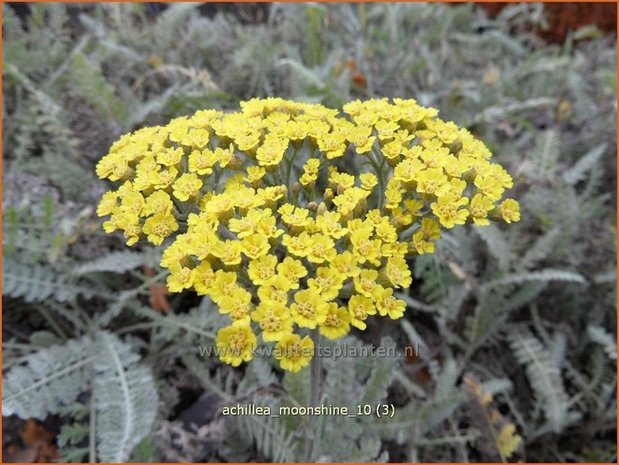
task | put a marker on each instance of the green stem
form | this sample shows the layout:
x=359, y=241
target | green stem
x=316, y=368
x=289, y=168
x=378, y=169
x=52, y=322
x=92, y=439
x=313, y=444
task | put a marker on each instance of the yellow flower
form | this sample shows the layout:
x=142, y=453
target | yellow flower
x=393, y=194
x=321, y=248
x=170, y=157
x=266, y=226
x=292, y=270
x=246, y=225
x=359, y=308
x=203, y=278
x=255, y=246
x=224, y=285
x=197, y=137
x=430, y=228
x=386, y=232
x=187, y=186
x=271, y=194
x=510, y=210
x=400, y=218
x=224, y=156
x=432, y=181
x=237, y=305
x=309, y=309
x=454, y=166
x=329, y=223
x=365, y=282
x=255, y=175
x=337, y=323
x=386, y=129
x=294, y=216
x=131, y=231
x=480, y=206
x=397, y=272
x=271, y=152
x=434, y=156
x=299, y=246
x=202, y=243
x=159, y=226
x=346, y=264
x=202, y=162
x=413, y=206
x=109, y=202
x=392, y=151
x=310, y=172
x=157, y=202
x=332, y=145
x=339, y=182
x=163, y=178
x=229, y=252
x=368, y=181
x=489, y=186
x=327, y=283
x=112, y=167
x=235, y=344
x=293, y=352
x=367, y=250
x=361, y=137
x=350, y=199
x=262, y=269
x=275, y=290
x=387, y=304
x=446, y=209
x=422, y=244
x=180, y=279
x=407, y=171
x=132, y=202
x=395, y=249
x=176, y=253
x=274, y=320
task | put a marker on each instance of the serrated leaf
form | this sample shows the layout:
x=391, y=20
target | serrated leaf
x=125, y=398
x=48, y=379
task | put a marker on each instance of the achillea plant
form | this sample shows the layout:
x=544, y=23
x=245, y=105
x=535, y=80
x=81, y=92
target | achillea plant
x=265, y=216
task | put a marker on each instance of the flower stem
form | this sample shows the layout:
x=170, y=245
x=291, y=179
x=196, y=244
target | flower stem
x=313, y=443
x=378, y=169
x=315, y=370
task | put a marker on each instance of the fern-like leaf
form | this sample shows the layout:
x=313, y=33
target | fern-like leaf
x=48, y=379
x=484, y=318
x=543, y=275
x=297, y=386
x=93, y=87
x=600, y=336
x=375, y=389
x=125, y=398
x=115, y=262
x=540, y=249
x=498, y=246
x=544, y=377
x=588, y=161
x=37, y=283
x=270, y=436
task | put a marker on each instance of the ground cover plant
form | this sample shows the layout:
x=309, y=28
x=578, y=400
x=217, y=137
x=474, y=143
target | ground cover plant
x=512, y=325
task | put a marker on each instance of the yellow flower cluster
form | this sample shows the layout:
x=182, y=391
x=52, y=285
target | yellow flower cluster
x=280, y=229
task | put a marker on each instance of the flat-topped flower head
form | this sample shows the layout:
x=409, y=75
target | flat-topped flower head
x=292, y=216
